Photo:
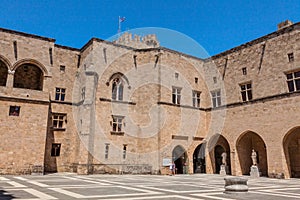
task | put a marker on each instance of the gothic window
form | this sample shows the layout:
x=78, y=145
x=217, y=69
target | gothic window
x=117, y=89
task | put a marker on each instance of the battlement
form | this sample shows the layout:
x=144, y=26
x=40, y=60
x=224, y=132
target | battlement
x=137, y=41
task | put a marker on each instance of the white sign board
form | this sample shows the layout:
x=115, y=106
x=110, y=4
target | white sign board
x=167, y=162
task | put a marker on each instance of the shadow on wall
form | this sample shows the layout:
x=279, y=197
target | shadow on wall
x=50, y=163
x=5, y=196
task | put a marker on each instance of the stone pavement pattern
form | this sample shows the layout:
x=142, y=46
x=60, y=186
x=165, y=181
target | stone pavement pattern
x=135, y=187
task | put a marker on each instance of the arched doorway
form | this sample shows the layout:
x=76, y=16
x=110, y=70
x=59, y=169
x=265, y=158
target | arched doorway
x=219, y=145
x=180, y=159
x=291, y=145
x=245, y=144
x=199, y=159
x=3, y=73
x=28, y=76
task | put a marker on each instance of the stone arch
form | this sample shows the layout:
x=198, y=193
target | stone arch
x=218, y=145
x=245, y=143
x=120, y=75
x=29, y=74
x=291, y=146
x=33, y=62
x=4, y=67
x=118, y=81
x=199, y=158
x=180, y=158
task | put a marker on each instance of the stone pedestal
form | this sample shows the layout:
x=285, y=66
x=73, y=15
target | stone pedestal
x=223, y=170
x=235, y=184
x=254, y=172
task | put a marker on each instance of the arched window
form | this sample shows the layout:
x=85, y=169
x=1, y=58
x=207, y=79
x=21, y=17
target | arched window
x=117, y=89
x=28, y=76
x=3, y=73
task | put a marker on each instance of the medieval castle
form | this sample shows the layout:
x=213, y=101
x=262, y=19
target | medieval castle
x=132, y=106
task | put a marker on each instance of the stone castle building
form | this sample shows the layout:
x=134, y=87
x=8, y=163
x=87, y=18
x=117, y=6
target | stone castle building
x=131, y=106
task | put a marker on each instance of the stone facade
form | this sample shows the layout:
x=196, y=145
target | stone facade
x=130, y=106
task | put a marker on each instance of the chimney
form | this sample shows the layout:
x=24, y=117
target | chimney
x=284, y=24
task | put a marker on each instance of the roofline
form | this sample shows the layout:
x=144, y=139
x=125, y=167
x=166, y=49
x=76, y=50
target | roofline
x=106, y=42
x=169, y=50
x=66, y=47
x=257, y=41
x=234, y=49
x=26, y=35
x=135, y=49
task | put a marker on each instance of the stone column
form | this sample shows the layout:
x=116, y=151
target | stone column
x=10, y=79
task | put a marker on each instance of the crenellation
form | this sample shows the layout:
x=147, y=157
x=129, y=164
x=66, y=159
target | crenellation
x=135, y=93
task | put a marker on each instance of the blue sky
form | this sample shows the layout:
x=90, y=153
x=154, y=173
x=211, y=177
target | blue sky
x=215, y=25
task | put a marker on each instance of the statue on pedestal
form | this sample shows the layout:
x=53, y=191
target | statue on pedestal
x=254, y=157
x=224, y=158
x=254, y=171
x=224, y=166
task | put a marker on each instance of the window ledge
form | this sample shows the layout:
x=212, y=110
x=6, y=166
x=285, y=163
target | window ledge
x=117, y=101
x=117, y=133
x=58, y=129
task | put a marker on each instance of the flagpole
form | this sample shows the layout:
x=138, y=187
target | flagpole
x=119, y=29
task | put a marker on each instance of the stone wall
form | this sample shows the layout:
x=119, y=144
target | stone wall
x=152, y=126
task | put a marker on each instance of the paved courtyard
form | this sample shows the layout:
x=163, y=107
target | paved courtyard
x=135, y=187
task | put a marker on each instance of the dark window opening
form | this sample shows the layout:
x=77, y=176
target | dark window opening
x=58, y=121
x=28, y=76
x=106, y=151
x=82, y=93
x=246, y=92
x=55, y=150
x=62, y=68
x=3, y=73
x=196, y=99
x=244, y=71
x=16, y=50
x=176, y=95
x=176, y=75
x=124, y=151
x=291, y=57
x=14, y=110
x=51, y=56
x=215, y=79
x=196, y=80
x=117, y=123
x=60, y=94
x=293, y=81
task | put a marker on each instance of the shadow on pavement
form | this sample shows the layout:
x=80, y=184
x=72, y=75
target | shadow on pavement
x=5, y=196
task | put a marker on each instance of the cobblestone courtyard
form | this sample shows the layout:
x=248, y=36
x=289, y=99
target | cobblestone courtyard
x=133, y=187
